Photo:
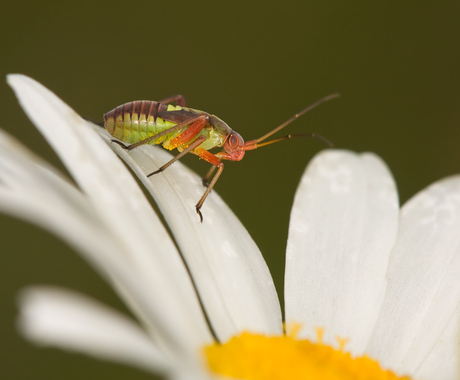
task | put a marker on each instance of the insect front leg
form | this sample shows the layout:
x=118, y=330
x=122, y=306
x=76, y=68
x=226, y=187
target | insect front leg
x=212, y=159
x=205, y=179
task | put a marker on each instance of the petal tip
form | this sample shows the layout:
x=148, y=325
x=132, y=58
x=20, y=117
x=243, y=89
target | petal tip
x=14, y=79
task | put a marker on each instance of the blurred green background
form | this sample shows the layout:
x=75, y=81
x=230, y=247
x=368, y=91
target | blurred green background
x=254, y=64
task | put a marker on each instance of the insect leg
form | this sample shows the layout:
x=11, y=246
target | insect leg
x=170, y=130
x=179, y=99
x=119, y=143
x=183, y=139
x=208, y=175
x=212, y=159
x=192, y=146
x=190, y=132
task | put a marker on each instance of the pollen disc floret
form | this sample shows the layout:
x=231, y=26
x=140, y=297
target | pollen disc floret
x=259, y=357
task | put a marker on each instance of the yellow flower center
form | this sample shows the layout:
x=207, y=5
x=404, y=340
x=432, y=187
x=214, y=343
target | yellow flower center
x=258, y=357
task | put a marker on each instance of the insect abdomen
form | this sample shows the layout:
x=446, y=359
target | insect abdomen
x=135, y=121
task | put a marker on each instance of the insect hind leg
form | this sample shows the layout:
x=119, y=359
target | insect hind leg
x=178, y=99
x=124, y=146
x=197, y=124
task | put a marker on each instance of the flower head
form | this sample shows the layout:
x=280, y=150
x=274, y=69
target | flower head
x=381, y=279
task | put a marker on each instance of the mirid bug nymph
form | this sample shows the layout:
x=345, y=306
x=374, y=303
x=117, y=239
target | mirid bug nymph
x=189, y=130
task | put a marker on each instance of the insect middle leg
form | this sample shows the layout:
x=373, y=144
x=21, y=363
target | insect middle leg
x=183, y=139
x=192, y=146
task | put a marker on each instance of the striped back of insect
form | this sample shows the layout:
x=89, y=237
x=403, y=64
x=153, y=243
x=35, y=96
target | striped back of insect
x=135, y=121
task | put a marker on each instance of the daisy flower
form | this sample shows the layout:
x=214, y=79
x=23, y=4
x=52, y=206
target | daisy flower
x=371, y=290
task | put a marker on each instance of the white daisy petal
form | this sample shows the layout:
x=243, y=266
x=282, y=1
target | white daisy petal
x=343, y=225
x=124, y=210
x=423, y=280
x=33, y=191
x=66, y=214
x=230, y=273
x=65, y=319
x=442, y=362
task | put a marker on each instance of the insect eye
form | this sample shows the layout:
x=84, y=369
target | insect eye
x=233, y=140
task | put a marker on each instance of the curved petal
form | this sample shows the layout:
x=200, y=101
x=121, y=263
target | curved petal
x=33, y=191
x=343, y=225
x=159, y=289
x=440, y=363
x=35, y=194
x=56, y=317
x=231, y=275
x=423, y=294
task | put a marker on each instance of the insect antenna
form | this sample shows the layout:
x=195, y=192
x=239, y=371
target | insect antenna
x=297, y=115
x=313, y=135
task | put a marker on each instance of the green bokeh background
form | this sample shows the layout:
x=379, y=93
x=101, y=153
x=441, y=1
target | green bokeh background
x=254, y=64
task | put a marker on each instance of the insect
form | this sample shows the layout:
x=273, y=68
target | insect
x=190, y=131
